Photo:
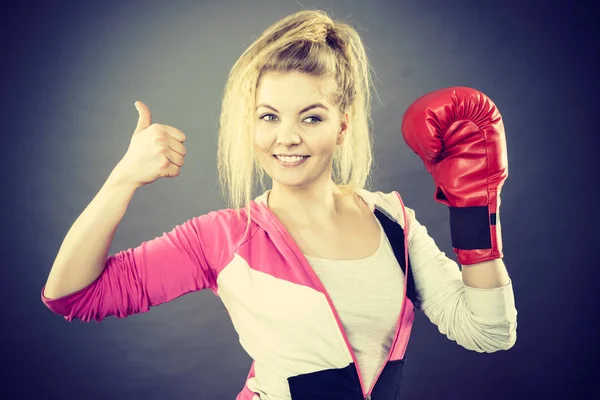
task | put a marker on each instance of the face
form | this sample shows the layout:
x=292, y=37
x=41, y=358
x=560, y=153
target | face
x=294, y=117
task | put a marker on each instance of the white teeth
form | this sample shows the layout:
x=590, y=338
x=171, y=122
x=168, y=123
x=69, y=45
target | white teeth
x=288, y=159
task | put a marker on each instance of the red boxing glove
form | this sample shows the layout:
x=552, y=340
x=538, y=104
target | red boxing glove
x=459, y=135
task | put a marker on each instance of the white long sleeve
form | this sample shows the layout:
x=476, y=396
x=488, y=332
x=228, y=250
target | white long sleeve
x=482, y=320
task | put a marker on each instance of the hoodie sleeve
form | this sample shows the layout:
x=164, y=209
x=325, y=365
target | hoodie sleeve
x=482, y=320
x=133, y=280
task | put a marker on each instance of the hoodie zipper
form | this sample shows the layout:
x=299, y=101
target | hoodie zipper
x=398, y=325
x=402, y=310
x=308, y=268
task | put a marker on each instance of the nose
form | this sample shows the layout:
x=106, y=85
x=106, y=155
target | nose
x=287, y=135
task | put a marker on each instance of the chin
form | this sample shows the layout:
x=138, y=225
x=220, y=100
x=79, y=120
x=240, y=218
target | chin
x=290, y=183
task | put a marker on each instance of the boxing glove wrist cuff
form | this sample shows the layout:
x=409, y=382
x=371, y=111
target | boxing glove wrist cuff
x=475, y=234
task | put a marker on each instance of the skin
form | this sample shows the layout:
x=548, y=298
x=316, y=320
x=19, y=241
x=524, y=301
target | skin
x=304, y=195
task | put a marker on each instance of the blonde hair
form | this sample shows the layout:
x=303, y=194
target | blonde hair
x=307, y=41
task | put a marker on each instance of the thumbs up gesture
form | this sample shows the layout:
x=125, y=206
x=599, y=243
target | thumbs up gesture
x=155, y=151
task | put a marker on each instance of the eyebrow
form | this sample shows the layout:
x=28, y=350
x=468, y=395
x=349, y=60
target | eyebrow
x=316, y=105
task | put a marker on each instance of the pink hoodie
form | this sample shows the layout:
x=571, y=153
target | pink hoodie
x=285, y=318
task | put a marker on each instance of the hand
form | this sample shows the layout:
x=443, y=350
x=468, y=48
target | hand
x=155, y=151
x=459, y=135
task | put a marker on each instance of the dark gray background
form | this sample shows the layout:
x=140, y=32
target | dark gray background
x=71, y=72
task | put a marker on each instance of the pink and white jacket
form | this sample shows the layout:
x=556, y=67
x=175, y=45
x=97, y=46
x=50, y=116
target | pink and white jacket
x=285, y=318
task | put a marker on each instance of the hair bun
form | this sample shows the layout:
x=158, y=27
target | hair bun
x=334, y=40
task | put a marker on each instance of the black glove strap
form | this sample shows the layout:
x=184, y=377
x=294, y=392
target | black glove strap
x=470, y=227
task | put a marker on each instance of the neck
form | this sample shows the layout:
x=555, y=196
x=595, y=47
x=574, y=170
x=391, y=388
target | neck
x=319, y=203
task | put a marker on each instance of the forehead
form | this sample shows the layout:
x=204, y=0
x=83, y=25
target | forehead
x=293, y=89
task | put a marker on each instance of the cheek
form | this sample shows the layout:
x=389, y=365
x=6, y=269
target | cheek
x=323, y=143
x=263, y=139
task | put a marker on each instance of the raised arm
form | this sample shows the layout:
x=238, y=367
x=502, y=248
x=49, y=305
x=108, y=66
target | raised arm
x=155, y=151
x=459, y=135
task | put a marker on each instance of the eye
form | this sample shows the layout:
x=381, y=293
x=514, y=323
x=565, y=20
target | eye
x=316, y=119
x=267, y=115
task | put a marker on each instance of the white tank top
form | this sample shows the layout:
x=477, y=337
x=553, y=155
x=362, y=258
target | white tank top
x=367, y=294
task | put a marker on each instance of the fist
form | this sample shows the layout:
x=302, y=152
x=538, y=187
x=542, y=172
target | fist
x=459, y=135
x=155, y=151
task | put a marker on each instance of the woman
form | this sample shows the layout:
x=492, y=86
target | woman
x=312, y=272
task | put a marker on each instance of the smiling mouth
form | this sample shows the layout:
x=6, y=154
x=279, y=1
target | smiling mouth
x=290, y=161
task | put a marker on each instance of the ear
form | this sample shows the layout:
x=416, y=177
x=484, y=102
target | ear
x=343, y=130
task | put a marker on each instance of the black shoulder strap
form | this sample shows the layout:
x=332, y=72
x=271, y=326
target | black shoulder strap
x=395, y=234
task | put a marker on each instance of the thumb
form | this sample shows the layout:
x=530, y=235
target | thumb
x=145, y=117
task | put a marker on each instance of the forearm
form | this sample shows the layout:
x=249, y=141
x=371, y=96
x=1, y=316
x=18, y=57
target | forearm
x=486, y=275
x=82, y=255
